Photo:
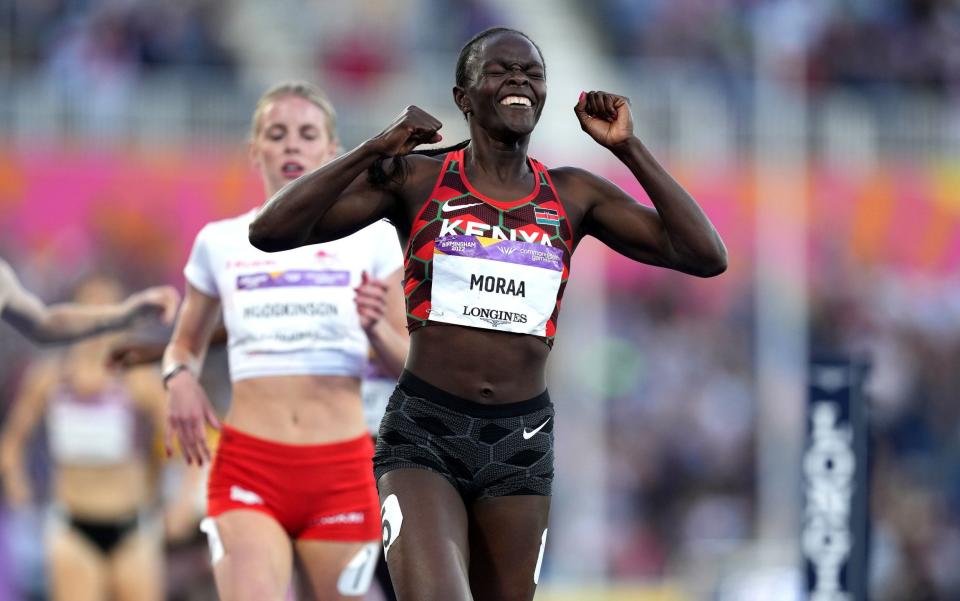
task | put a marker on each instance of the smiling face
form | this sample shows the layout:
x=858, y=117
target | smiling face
x=291, y=138
x=506, y=86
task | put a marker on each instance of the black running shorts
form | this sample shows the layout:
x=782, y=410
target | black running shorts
x=482, y=450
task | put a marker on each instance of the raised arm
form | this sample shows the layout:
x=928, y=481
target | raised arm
x=67, y=322
x=336, y=200
x=676, y=234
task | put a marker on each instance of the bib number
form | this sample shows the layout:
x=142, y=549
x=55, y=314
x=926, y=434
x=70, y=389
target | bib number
x=504, y=285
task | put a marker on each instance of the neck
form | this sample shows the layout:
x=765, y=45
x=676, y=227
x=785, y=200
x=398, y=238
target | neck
x=502, y=160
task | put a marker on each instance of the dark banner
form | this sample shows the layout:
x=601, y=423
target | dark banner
x=835, y=525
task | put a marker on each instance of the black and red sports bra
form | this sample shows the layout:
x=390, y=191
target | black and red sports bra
x=484, y=263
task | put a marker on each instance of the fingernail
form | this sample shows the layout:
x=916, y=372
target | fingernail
x=582, y=94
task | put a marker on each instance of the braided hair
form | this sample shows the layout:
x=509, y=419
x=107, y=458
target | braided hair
x=469, y=54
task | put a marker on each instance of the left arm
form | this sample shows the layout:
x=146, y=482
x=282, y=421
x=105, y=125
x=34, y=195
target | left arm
x=380, y=306
x=676, y=234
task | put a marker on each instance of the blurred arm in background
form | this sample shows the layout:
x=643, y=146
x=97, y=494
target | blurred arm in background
x=383, y=317
x=132, y=353
x=27, y=410
x=67, y=322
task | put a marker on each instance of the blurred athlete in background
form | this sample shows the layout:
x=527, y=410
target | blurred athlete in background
x=294, y=460
x=103, y=431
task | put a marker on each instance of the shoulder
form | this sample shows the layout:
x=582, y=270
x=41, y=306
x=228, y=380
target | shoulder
x=422, y=167
x=572, y=176
x=575, y=185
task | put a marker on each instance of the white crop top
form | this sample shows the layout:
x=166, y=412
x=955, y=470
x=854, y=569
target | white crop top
x=291, y=312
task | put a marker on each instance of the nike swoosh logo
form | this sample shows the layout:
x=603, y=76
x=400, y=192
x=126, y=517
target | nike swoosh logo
x=447, y=207
x=528, y=434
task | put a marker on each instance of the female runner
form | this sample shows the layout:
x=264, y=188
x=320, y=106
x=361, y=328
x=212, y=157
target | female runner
x=293, y=470
x=464, y=459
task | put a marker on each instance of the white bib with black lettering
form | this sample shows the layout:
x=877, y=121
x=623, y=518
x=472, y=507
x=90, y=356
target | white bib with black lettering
x=291, y=310
x=504, y=285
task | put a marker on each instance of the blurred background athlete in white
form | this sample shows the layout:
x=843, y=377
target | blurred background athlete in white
x=294, y=461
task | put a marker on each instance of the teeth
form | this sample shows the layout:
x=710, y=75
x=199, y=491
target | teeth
x=515, y=100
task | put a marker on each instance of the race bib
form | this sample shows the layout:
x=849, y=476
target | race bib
x=504, y=285
x=282, y=311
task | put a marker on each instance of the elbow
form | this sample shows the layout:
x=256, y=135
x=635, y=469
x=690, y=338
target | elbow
x=707, y=265
x=713, y=265
x=261, y=238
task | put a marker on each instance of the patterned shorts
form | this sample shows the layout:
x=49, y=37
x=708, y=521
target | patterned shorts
x=482, y=450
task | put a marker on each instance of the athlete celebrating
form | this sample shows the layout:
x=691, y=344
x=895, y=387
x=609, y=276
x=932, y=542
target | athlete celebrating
x=67, y=322
x=465, y=454
x=294, y=461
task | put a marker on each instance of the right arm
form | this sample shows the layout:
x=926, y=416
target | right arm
x=188, y=408
x=336, y=200
x=67, y=322
x=27, y=410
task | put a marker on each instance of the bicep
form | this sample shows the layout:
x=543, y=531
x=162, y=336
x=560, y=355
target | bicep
x=622, y=223
x=360, y=205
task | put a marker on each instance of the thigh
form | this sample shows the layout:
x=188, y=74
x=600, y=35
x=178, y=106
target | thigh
x=424, y=536
x=77, y=570
x=255, y=560
x=136, y=567
x=337, y=570
x=507, y=536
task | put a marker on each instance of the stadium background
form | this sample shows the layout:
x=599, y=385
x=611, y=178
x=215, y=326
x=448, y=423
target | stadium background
x=821, y=136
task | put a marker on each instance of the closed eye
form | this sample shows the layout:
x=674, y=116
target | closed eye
x=276, y=132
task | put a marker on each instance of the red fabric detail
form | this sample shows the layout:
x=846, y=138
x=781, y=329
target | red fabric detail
x=425, y=252
x=323, y=492
x=410, y=284
x=422, y=310
x=445, y=193
x=500, y=204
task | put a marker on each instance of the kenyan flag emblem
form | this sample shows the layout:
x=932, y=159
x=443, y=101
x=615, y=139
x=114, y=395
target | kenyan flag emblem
x=547, y=217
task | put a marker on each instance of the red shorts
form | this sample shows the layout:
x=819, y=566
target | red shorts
x=324, y=492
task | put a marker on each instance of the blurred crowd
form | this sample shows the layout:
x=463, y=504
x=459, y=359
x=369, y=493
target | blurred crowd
x=853, y=43
x=683, y=415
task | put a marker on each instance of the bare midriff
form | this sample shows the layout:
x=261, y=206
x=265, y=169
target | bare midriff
x=299, y=410
x=479, y=365
x=106, y=493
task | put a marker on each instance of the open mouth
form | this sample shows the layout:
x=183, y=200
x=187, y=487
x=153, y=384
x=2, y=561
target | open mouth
x=516, y=102
x=292, y=170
